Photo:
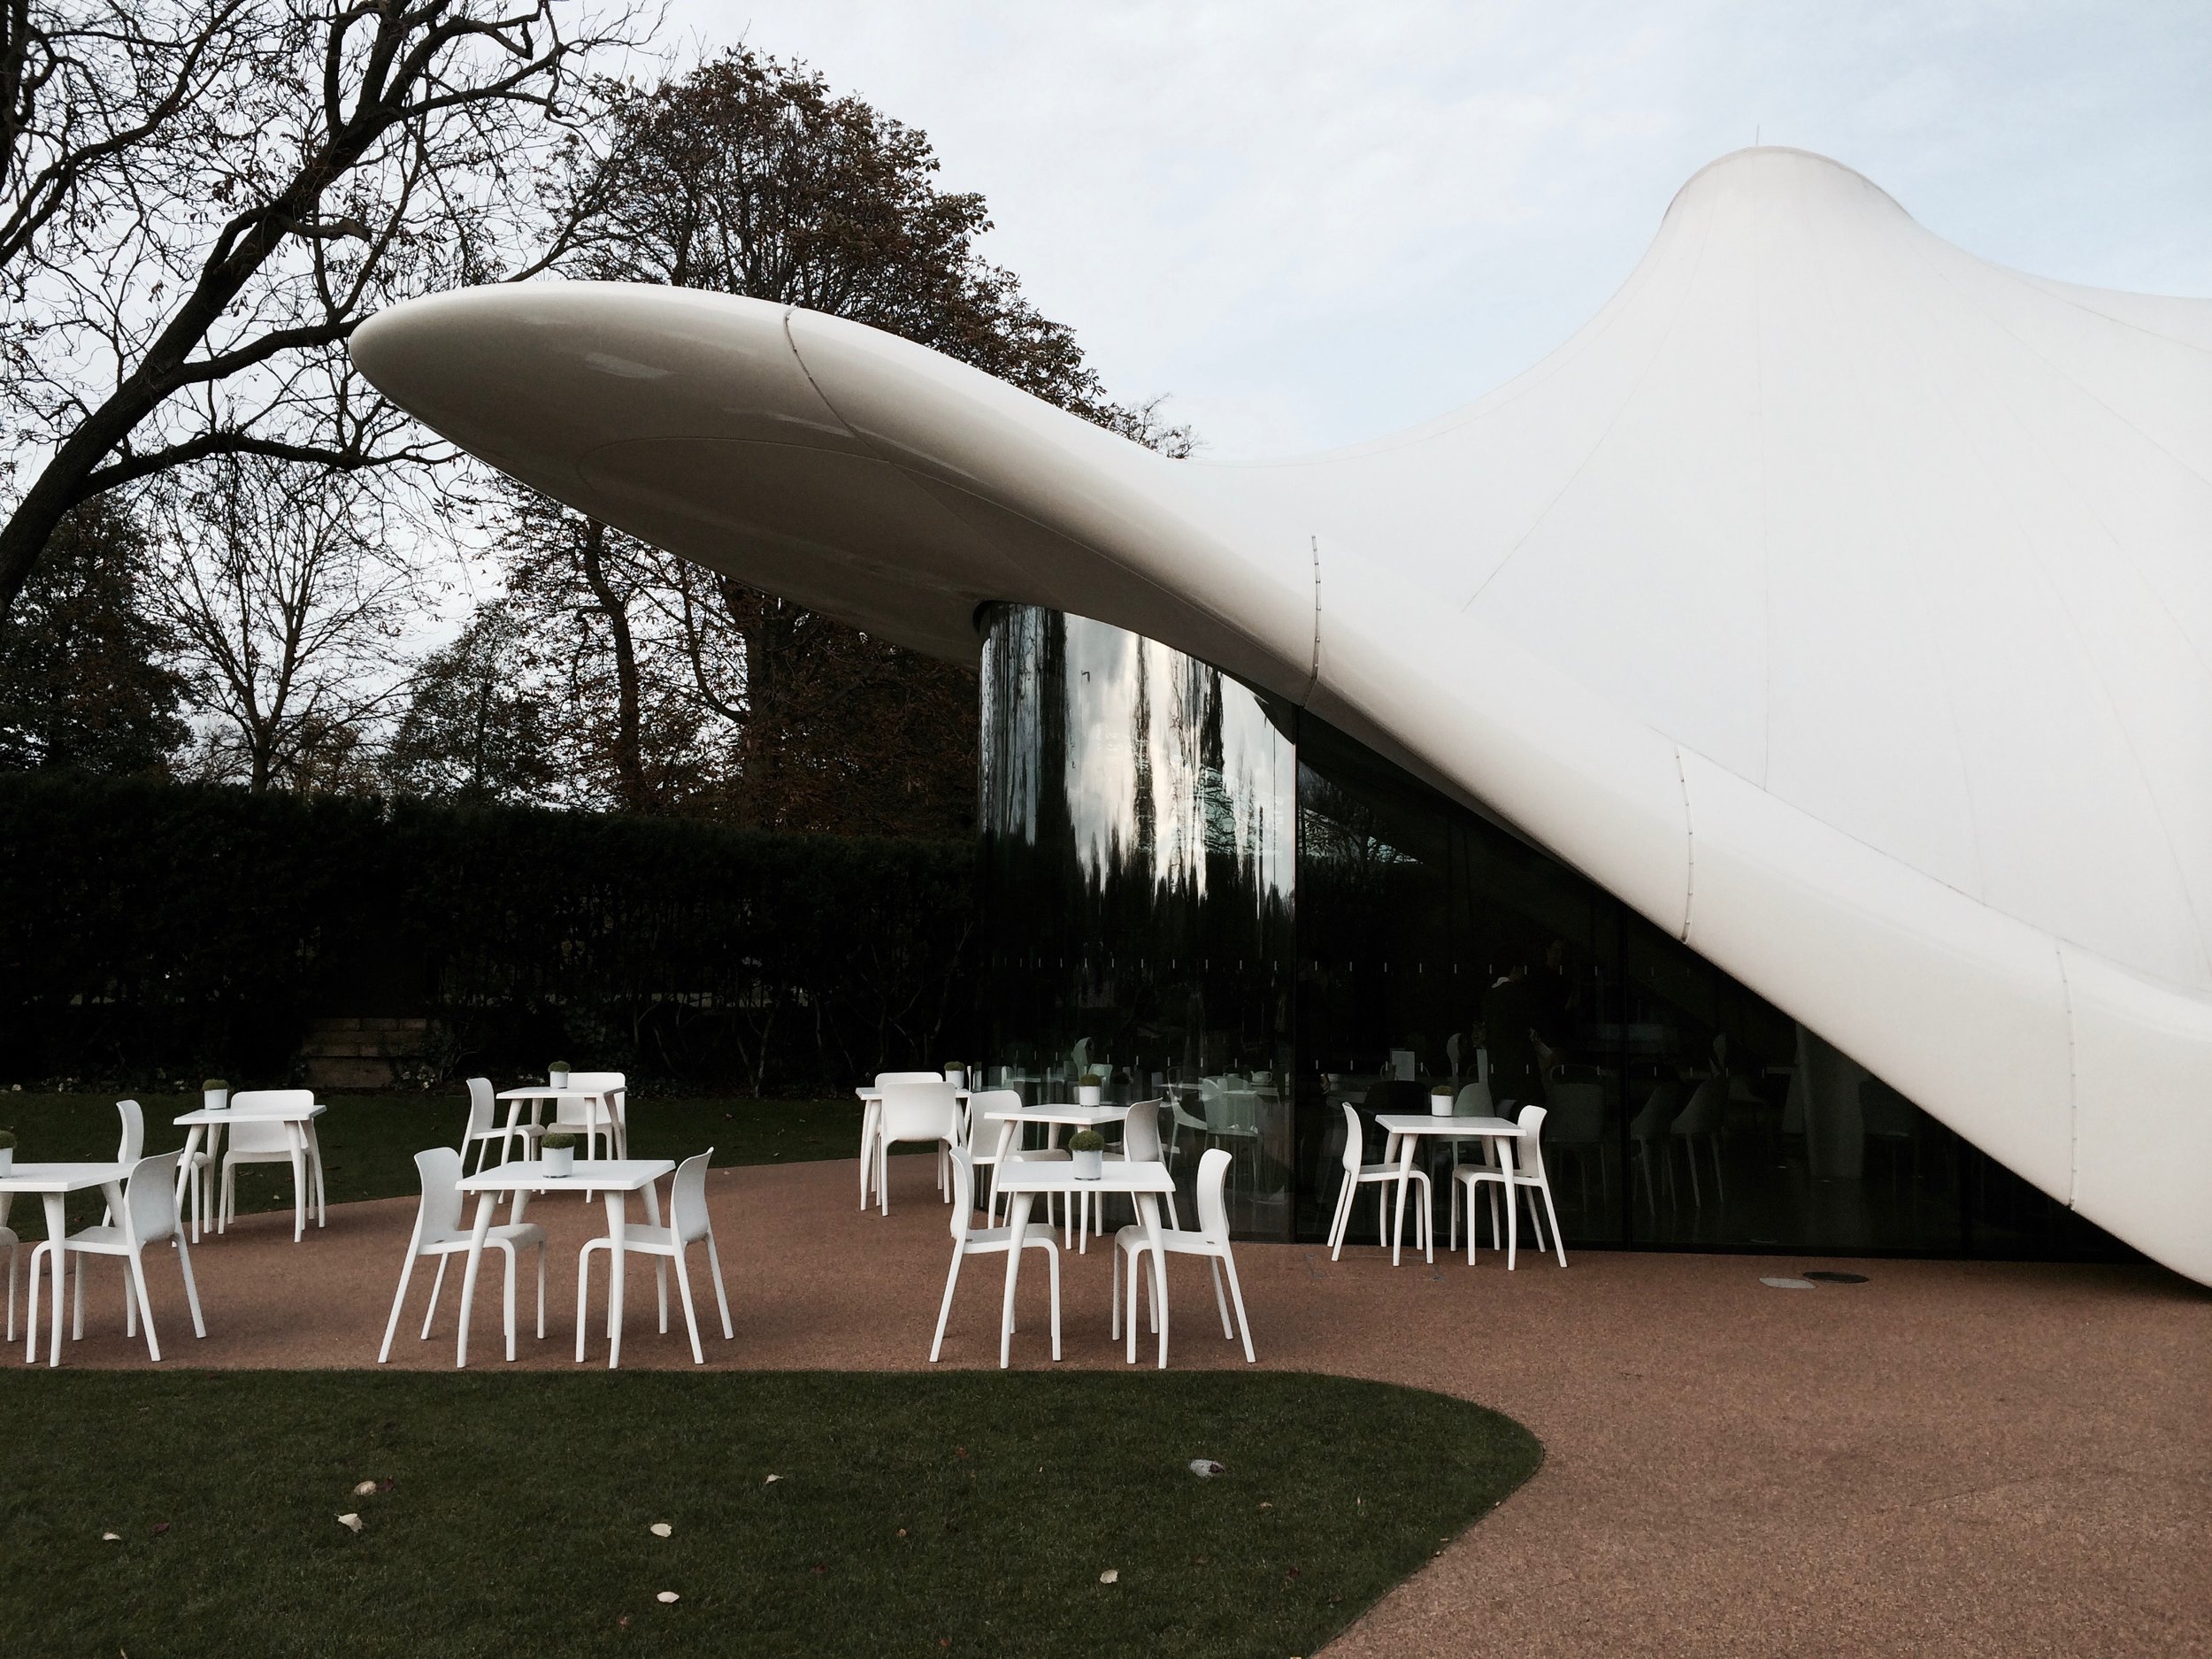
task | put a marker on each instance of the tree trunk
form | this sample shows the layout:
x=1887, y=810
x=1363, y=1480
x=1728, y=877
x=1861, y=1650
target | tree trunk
x=629, y=758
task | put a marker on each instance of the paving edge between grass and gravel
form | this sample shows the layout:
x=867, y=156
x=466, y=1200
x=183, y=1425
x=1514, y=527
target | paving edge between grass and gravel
x=817, y=1513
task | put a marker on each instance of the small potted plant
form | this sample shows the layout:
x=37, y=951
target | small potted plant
x=1088, y=1147
x=1442, y=1096
x=1088, y=1088
x=214, y=1094
x=7, y=1150
x=559, y=1150
x=556, y=1074
x=956, y=1073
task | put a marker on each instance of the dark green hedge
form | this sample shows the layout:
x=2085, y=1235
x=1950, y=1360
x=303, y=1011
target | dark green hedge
x=149, y=928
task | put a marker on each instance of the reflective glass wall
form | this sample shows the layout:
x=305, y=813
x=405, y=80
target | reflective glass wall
x=1234, y=906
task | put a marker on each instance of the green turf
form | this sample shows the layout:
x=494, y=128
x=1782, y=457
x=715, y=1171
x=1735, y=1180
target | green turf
x=963, y=1513
x=369, y=1142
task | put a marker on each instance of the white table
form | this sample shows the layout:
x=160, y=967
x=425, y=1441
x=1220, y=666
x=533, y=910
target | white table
x=1054, y=1118
x=616, y=1178
x=537, y=1093
x=1141, y=1183
x=54, y=1182
x=1404, y=1131
x=870, y=1110
x=299, y=1131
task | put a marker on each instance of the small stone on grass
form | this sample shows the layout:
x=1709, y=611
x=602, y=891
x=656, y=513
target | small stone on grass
x=1111, y=1576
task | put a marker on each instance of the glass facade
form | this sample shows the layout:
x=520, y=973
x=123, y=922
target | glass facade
x=1204, y=895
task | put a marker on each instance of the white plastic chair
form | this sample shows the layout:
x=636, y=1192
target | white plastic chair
x=149, y=1216
x=915, y=1114
x=439, y=1232
x=1703, y=1118
x=872, y=1123
x=604, y=1117
x=1211, y=1241
x=483, y=1131
x=970, y=1240
x=688, y=1224
x=1647, y=1140
x=1141, y=1143
x=265, y=1140
x=1380, y=1176
x=1523, y=1175
x=130, y=1148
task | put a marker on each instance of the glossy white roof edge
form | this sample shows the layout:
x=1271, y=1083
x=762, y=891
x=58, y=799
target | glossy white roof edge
x=2085, y=1077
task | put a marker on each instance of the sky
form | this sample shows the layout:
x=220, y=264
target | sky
x=1308, y=224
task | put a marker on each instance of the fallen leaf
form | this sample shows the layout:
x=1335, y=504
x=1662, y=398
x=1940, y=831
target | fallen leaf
x=351, y=1523
x=1267, y=1506
x=111, y=1537
x=1111, y=1576
x=1206, y=1469
x=901, y=1532
x=366, y=1489
x=819, y=1569
x=160, y=1527
x=624, y=1622
x=660, y=1529
x=385, y=1484
x=771, y=1480
x=666, y=1596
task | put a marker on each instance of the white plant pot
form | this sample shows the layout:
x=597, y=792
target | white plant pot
x=556, y=1079
x=7, y=1159
x=560, y=1160
x=215, y=1100
x=1088, y=1093
x=1441, y=1104
x=957, y=1077
x=1089, y=1166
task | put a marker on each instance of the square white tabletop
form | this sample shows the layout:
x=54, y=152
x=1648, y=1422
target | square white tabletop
x=546, y=1091
x=601, y=1175
x=1081, y=1116
x=250, y=1115
x=1433, y=1124
x=61, y=1178
x=1024, y=1175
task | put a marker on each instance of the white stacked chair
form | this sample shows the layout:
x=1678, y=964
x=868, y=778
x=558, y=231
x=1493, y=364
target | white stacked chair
x=1211, y=1241
x=265, y=1140
x=482, y=1129
x=439, y=1232
x=871, y=1123
x=688, y=1224
x=149, y=1216
x=970, y=1240
x=1384, y=1178
x=915, y=1114
x=1524, y=1177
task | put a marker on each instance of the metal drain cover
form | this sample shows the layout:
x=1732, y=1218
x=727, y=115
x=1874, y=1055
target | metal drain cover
x=1824, y=1277
x=1790, y=1284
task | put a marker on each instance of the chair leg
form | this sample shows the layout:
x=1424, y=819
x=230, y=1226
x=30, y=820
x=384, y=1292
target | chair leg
x=191, y=1288
x=1221, y=1302
x=583, y=1297
x=721, y=1298
x=944, y=1311
x=76, y=1312
x=391, y=1326
x=1236, y=1296
x=1113, y=1305
x=137, y=1288
x=11, y=1250
x=437, y=1289
x=660, y=1277
x=1558, y=1243
x=30, y=1327
x=507, y=1302
x=691, y=1318
x=1052, y=1261
x=540, y=1291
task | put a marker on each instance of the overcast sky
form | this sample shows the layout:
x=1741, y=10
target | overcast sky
x=1311, y=224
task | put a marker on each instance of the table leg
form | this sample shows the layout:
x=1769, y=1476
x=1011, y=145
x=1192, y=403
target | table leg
x=1399, y=1149
x=215, y=1174
x=185, y=1180
x=56, y=1230
x=1017, y=1217
x=484, y=1205
x=1512, y=1209
x=869, y=1109
x=1148, y=1213
x=617, y=1226
x=298, y=1142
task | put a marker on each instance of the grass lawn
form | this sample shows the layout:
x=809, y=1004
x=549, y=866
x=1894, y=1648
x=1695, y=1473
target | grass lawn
x=921, y=1514
x=369, y=1142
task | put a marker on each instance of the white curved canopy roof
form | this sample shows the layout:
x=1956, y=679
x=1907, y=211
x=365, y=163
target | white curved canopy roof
x=1841, y=601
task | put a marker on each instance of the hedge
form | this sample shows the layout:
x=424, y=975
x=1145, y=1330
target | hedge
x=150, y=929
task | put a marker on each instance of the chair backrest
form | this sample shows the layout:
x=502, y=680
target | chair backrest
x=1354, y=1141
x=439, y=1216
x=909, y=1077
x=150, y=1198
x=480, y=1104
x=1708, y=1104
x=264, y=1134
x=1657, y=1113
x=1141, y=1134
x=982, y=1133
x=1577, y=1113
x=1213, y=1209
x=609, y=1087
x=133, y=1141
x=1528, y=1151
x=687, y=1206
x=1473, y=1100
x=920, y=1112
x=963, y=1196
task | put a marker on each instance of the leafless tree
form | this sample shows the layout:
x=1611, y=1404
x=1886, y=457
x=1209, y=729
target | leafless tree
x=201, y=199
x=289, y=607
